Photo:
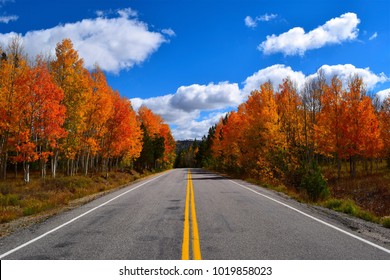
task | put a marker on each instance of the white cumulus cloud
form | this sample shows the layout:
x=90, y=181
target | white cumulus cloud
x=297, y=41
x=346, y=71
x=180, y=121
x=162, y=106
x=197, y=128
x=275, y=74
x=183, y=109
x=112, y=43
x=207, y=97
x=383, y=94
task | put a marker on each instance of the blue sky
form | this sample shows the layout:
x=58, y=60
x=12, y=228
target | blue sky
x=193, y=61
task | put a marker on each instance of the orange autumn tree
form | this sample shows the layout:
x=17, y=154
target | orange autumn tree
x=41, y=118
x=373, y=143
x=70, y=75
x=262, y=136
x=244, y=141
x=216, y=147
x=158, y=142
x=226, y=143
x=13, y=66
x=328, y=129
x=290, y=115
x=231, y=144
x=291, y=120
x=123, y=136
x=347, y=126
x=96, y=112
x=361, y=133
x=169, y=156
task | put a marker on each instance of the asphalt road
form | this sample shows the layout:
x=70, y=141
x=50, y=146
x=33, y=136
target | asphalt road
x=233, y=220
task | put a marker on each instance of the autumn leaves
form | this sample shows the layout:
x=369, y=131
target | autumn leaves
x=281, y=136
x=58, y=112
x=348, y=126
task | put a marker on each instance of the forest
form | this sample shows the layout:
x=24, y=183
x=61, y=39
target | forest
x=57, y=115
x=327, y=142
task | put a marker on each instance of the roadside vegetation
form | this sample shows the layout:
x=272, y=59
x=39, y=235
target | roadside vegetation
x=66, y=134
x=41, y=195
x=328, y=144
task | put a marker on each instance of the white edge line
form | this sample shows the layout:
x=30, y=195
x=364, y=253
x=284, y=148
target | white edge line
x=316, y=219
x=75, y=219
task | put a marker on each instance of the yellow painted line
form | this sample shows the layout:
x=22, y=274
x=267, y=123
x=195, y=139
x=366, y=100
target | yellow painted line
x=190, y=202
x=195, y=233
x=185, y=255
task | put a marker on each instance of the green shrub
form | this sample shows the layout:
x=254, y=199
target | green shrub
x=366, y=216
x=333, y=203
x=313, y=182
x=33, y=206
x=386, y=222
x=349, y=207
x=9, y=200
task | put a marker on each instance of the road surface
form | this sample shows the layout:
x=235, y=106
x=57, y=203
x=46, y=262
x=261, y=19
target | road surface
x=190, y=214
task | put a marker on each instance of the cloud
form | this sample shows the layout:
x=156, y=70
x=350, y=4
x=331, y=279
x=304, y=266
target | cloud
x=207, y=97
x=297, y=41
x=100, y=13
x=275, y=74
x=373, y=36
x=7, y=19
x=180, y=121
x=383, y=94
x=184, y=109
x=162, y=106
x=252, y=23
x=196, y=129
x=267, y=17
x=127, y=13
x=112, y=43
x=345, y=71
x=168, y=32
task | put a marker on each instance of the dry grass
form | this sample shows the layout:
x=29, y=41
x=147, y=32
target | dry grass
x=18, y=199
x=367, y=196
x=370, y=192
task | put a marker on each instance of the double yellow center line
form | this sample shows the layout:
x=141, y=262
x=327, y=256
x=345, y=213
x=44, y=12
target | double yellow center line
x=190, y=206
